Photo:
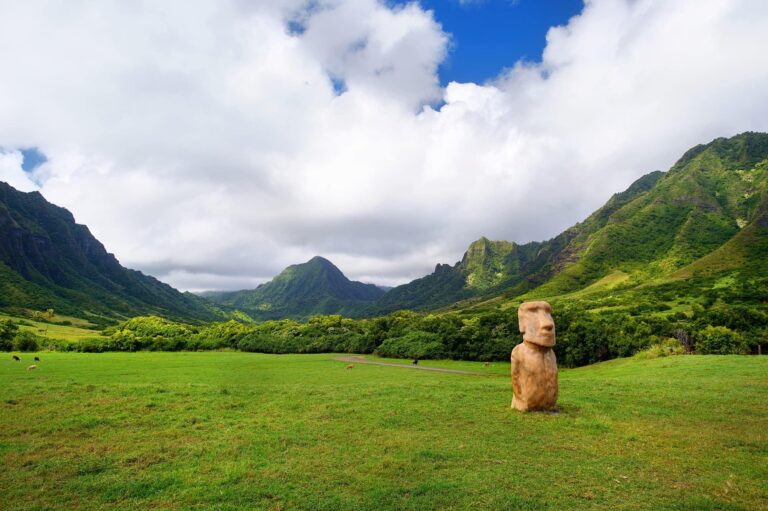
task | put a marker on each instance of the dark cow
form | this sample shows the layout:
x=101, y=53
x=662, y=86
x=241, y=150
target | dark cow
x=17, y=359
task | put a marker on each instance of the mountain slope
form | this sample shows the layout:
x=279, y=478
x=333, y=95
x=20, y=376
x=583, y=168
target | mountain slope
x=711, y=196
x=49, y=261
x=314, y=287
x=486, y=266
x=702, y=213
x=746, y=251
x=492, y=267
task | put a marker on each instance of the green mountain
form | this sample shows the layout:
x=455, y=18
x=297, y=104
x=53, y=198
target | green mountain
x=708, y=204
x=492, y=267
x=301, y=290
x=49, y=261
x=706, y=214
x=705, y=218
x=487, y=266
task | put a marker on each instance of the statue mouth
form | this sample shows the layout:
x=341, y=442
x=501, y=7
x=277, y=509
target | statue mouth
x=545, y=338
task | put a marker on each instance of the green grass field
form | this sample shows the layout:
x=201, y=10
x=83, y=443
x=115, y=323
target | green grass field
x=77, y=331
x=221, y=430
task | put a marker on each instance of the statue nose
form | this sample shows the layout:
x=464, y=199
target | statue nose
x=546, y=323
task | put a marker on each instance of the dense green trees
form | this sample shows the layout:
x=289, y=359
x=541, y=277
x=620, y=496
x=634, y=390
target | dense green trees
x=11, y=338
x=585, y=334
x=8, y=331
x=720, y=340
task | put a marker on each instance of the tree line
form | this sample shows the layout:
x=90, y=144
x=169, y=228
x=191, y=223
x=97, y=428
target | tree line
x=583, y=336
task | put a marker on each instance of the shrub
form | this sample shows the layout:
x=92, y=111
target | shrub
x=720, y=340
x=413, y=345
x=8, y=330
x=667, y=347
x=94, y=345
x=684, y=339
x=25, y=341
x=259, y=343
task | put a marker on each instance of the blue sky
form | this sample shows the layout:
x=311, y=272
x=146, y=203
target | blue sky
x=489, y=35
x=33, y=158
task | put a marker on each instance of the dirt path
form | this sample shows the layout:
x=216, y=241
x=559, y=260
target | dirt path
x=360, y=360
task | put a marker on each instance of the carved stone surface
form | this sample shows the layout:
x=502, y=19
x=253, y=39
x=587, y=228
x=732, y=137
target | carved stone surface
x=534, y=367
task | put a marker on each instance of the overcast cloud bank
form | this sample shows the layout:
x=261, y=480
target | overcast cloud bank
x=213, y=143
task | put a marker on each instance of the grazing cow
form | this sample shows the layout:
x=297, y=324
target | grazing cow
x=17, y=359
x=416, y=362
x=37, y=359
x=33, y=366
x=485, y=364
x=351, y=366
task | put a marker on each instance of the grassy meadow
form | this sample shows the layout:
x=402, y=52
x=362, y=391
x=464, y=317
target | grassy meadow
x=229, y=430
x=63, y=328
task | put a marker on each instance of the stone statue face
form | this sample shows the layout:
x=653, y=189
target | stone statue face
x=536, y=324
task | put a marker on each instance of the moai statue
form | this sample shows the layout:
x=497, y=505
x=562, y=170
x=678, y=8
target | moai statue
x=534, y=368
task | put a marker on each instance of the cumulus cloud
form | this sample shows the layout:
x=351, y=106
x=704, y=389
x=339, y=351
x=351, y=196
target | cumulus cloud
x=210, y=144
x=12, y=172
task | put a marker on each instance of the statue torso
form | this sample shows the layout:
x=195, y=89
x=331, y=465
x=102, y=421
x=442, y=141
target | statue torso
x=536, y=377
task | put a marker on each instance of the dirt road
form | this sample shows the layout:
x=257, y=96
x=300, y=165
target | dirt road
x=361, y=360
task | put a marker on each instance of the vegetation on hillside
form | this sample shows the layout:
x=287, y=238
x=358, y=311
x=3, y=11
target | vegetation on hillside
x=49, y=261
x=716, y=195
x=301, y=290
x=590, y=329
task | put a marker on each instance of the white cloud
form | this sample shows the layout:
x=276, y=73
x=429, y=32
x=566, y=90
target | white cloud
x=203, y=142
x=12, y=173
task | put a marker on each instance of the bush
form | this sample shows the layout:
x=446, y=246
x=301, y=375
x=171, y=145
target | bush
x=259, y=343
x=147, y=333
x=94, y=345
x=25, y=341
x=667, y=347
x=413, y=345
x=720, y=340
x=8, y=330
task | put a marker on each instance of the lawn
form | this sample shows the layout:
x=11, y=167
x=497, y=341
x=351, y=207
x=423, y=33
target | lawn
x=77, y=331
x=223, y=430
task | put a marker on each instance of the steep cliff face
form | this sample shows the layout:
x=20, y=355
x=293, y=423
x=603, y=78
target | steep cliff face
x=49, y=261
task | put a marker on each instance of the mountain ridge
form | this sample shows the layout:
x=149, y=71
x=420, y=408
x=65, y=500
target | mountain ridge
x=708, y=213
x=47, y=260
x=661, y=223
x=300, y=290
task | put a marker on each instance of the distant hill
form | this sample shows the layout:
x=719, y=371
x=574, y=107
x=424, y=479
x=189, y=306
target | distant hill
x=49, y=261
x=487, y=266
x=708, y=213
x=314, y=287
